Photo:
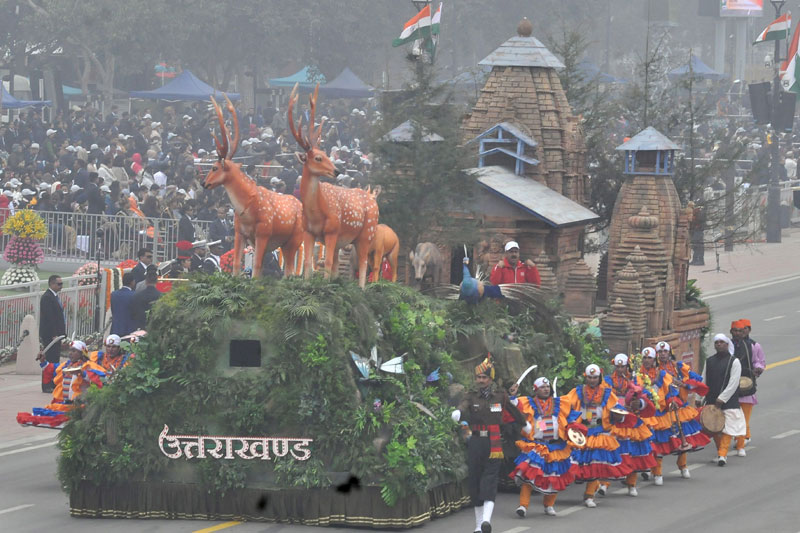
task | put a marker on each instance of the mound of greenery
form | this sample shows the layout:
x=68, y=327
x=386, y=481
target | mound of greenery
x=307, y=386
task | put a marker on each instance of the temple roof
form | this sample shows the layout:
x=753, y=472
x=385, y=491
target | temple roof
x=649, y=139
x=510, y=128
x=531, y=196
x=521, y=51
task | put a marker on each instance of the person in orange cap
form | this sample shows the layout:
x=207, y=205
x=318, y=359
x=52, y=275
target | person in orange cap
x=756, y=364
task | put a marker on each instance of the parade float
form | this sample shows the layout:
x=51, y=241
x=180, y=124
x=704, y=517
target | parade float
x=301, y=401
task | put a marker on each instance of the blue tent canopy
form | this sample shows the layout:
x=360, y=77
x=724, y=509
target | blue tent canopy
x=346, y=85
x=593, y=73
x=9, y=102
x=185, y=87
x=303, y=77
x=699, y=70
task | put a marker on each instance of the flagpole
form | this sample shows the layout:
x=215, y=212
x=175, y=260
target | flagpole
x=774, y=189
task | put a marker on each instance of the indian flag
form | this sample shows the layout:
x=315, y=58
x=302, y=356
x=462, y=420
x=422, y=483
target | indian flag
x=436, y=21
x=417, y=28
x=790, y=69
x=777, y=29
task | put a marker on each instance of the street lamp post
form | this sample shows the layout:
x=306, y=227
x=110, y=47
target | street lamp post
x=774, y=189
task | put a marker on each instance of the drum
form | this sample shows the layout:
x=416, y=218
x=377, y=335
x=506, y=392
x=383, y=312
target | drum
x=746, y=387
x=712, y=419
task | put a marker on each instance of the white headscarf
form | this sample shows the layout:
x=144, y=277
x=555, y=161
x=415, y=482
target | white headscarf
x=721, y=337
x=541, y=382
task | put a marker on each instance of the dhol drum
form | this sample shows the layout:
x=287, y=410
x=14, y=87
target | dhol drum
x=712, y=419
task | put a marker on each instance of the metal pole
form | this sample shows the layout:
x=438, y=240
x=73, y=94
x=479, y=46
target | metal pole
x=774, y=190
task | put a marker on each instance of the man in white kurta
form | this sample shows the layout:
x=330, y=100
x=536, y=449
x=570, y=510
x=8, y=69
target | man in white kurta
x=721, y=374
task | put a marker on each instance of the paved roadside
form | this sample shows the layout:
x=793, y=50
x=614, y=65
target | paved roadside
x=20, y=393
x=749, y=264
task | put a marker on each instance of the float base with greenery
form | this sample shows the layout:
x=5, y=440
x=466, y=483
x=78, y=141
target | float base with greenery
x=385, y=452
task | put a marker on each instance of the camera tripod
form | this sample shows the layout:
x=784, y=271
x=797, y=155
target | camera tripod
x=716, y=253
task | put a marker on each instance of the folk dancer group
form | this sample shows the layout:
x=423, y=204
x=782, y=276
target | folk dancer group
x=611, y=427
x=73, y=377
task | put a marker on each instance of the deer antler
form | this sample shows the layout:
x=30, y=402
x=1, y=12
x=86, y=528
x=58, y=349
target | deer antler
x=232, y=111
x=222, y=148
x=304, y=144
x=314, y=133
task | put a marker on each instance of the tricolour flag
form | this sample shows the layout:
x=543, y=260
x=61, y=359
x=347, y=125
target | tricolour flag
x=417, y=28
x=436, y=21
x=777, y=29
x=790, y=69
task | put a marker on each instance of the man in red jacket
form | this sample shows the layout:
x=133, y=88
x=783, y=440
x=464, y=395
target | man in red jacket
x=511, y=270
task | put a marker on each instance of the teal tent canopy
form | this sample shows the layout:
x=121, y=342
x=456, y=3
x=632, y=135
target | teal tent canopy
x=304, y=78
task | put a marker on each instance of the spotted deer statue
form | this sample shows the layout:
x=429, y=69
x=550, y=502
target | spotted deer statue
x=262, y=218
x=334, y=215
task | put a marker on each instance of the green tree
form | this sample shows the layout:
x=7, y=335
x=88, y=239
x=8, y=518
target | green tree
x=423, y=185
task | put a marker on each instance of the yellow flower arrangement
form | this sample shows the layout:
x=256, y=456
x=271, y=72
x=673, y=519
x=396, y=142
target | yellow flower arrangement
x=27, y=224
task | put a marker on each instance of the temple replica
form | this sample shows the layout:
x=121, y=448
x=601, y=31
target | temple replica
x=644, y=275
x=532, y=168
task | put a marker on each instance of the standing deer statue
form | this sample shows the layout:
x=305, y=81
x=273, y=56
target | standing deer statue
x=262, y=218
x=336, y=216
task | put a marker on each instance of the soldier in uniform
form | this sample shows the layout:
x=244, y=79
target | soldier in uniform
x=211, y=263
x=198, y=255
x=482, y=412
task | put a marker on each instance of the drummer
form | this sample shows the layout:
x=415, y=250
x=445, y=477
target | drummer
x=759, y=363
x=632, y=433
x=722, y=375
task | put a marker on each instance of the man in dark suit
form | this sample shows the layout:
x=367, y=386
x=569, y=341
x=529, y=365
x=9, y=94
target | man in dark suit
x=185, y=226
x=121, y=318
x=198, y=256
x=143, y=300
x=145, y=257
x=51, y=322
x=221, y=230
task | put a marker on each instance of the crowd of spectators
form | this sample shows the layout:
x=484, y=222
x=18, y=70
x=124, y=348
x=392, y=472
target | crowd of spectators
x=150, y=164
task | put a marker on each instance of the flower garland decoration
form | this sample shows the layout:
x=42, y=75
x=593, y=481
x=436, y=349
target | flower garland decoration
x=22, y=251
x=19, y=274
x=87, y=269
x=27, y=224
x=226, y=261
x=128, y=263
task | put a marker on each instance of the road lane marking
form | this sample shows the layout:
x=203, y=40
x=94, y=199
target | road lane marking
x=570, y=510
x=29, y=448
x=751, y=287
x=28, y=440
x=211, y=529
x=774, y=318
x=519, y=529
x=786, y=434
x=784, y=362
x=17, y=508
x=689, y=468
x=18, y=386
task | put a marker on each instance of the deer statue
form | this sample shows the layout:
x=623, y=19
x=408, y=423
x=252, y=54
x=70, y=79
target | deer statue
x=262, y=218
x=336, y=216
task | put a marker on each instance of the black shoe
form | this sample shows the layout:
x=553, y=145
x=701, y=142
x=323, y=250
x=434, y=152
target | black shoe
x=486, y=527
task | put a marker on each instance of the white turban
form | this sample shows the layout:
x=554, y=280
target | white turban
x=541, y=382
x=620, y=359
x=592, y=370
x=78, y=345
x=721, y=337
x=113, y=340
x=663, y=346
x=649, y=352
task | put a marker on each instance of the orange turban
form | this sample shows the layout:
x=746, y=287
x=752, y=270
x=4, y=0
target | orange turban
x=744, y=323
x=736, y=324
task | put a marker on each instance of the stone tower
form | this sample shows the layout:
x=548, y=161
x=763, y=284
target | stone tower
x=523, y=89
